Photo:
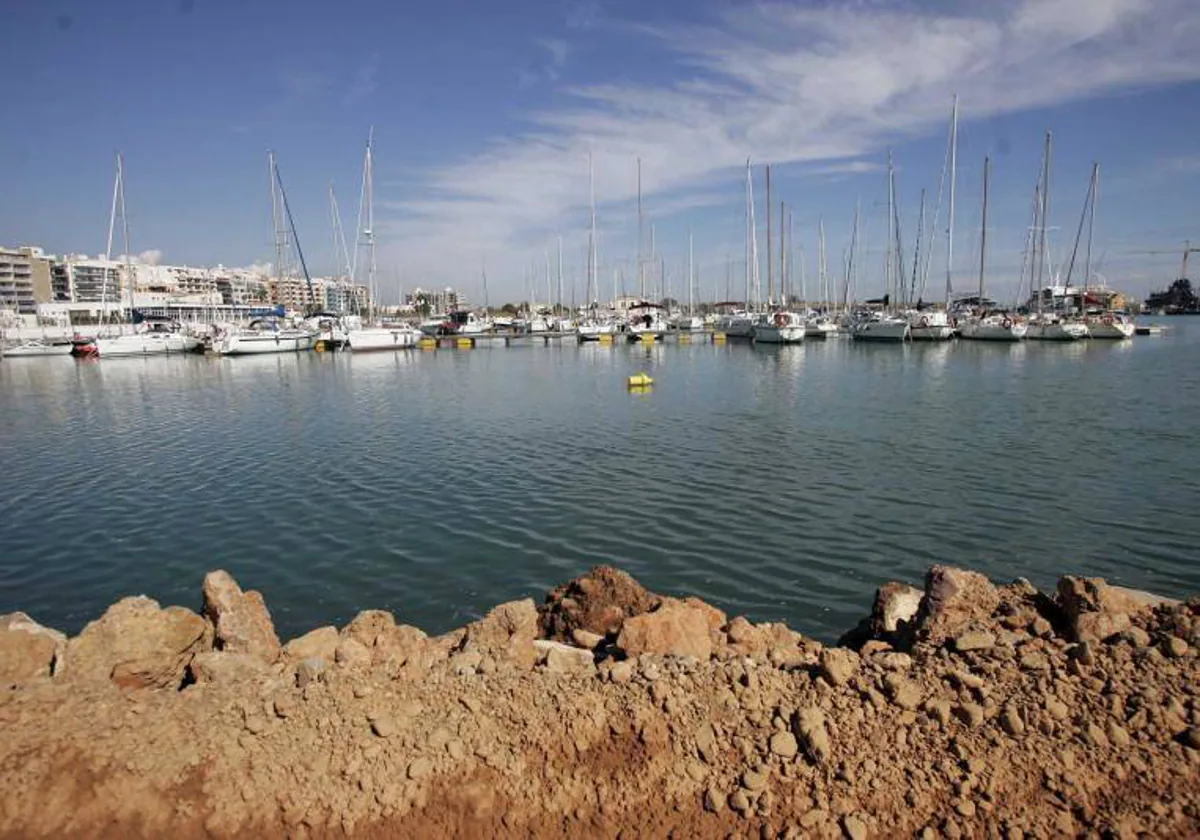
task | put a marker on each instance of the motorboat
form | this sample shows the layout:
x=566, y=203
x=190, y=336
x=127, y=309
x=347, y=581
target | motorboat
x=383, y=337
x=35, y=347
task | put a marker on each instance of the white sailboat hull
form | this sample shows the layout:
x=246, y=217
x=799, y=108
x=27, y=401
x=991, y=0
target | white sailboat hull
x=1070, y=331
x=592, y=331
x=771, y=334
x=284, y=341
x=939, y=332
x=146, y=344
x=642, y=332
x=992, y=332
x=820, y=329
x=1115, y=330
x=689, y=324
x=30, y=349
x=893, y=330
x=383, y=338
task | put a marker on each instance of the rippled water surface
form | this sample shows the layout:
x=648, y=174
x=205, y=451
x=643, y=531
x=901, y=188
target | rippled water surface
x=783, y=483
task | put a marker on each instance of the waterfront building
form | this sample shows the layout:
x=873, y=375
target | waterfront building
x=24, y=279
x=431, y=300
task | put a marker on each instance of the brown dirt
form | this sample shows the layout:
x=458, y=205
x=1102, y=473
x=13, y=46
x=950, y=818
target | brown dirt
x=1021, y=734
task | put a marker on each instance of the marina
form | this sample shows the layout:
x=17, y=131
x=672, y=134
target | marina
x=741, y=465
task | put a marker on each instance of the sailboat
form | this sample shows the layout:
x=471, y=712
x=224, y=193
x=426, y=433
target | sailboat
x=373, y=335
x=690, y=321
x=270, y=335
x=780, y=326
x=150, y=338
x=1104, y=324
x=1053, y=325
x=739, y=320
x=881, y=324
x=928, y=323
x=822, y=324
x=989, y=326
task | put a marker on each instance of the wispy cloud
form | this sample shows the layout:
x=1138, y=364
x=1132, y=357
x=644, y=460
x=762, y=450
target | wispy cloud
x=547, y=67
x=823, y=87
x=365, y=81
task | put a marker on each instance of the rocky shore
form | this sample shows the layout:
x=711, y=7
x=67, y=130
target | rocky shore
x=957, y=709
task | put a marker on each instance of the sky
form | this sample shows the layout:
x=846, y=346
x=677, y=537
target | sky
x=484, y=116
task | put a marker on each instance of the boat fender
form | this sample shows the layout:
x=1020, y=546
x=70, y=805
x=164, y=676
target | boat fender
x=924, y=321
x=1108, y=320
x=1006, y=323
x=780, y=319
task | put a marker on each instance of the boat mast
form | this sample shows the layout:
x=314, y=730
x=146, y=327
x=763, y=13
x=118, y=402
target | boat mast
x=950, y=224
x=912, y=290
x=1042, y=263
x=770, y=253
x=1087, y=273
x=752, y=229
x=987, y=165
x=276, y=225
x=640, y=267
x=292, y=226
x=887, y=267
x=749, y=227
x=112, y=221
x=125, y=237
x=783, y=241
x=691, y=278
x=560, y=275
x=593, y=291
x=369, y=233
x=822, y=281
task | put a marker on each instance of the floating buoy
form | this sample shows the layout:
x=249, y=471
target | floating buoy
x=321, y=348
x=685, y=338
x=465, y=343
x=427, y=344
x=640, y=380
x=606, y=338
x=718, y=337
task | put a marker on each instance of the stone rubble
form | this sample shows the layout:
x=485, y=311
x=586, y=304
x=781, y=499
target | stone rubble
x=967, y=709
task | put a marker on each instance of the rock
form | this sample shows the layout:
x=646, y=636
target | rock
x=316, y=644
x=1174, y=648
x=384, y=725
x=28, y=650
x=1040, y=627
x=939, y=710
x=1010, y=721
x=808, y=725
x=754, y=780
x=783, y=744
x=838, y=665
x=621, y=672
x=369, y=627
x=965, y=808
x=563, y=659
x=220, y=667
x=419, y=768
x=137, y=644
x=242, y=622
x=1135, y=636
x=586, y=638
x=1034, y=662
x=674, y=629
x=1117, y=735
x=714, y=800
x=973, y=640
x=902, y=692
x=310, y=670
x=351, y=653
x=955, y=601
x=854, y=827
x=969, y=713
x=892, y=613
x=598, y=603
x=1096, y=736
x=739, y=802
x=745, y=639
x=716, y=618
x=285, y=704
x=1191, y=737
x=1096, y=610
x=506, y=633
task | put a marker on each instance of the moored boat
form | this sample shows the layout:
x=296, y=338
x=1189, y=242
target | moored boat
x=780, y=328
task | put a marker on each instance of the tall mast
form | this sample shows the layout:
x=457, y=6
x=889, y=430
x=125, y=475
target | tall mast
x=950, y=224
x=887, y=268
x=112, y=221
x=560, y=274
x=783, y=241
x=752, y=276
x=124, y=234
x=987, y=165
x=821, y=267
x=770, y=253
x=912, y=291
x=277, y=228
x=1044, y=221
x=1087, y=273
x=369, y=233
x=691, y=278
x=593, y=291
x=640, y=267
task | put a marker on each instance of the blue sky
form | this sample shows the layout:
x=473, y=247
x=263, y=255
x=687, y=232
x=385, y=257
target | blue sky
x=484, y=115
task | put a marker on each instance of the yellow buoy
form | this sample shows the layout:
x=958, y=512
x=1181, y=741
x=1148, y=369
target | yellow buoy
x=684, y=338
x=465, y=343
x=718, y=337
x=606, y=338
x=647, y=338
x=640, y=380
x=427, y=343
x=320, y=346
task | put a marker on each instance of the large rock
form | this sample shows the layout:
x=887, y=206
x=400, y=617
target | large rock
x=892, y=615
x=137, y=644
x=599, y=603
x=27, y=649
x=955, y=600
x=216, y=666
x=674, y=628
x=506, y=634
x=242, y=622
x=394, y=646
x=1094, y=610
x=559, y=658
x=316, y=644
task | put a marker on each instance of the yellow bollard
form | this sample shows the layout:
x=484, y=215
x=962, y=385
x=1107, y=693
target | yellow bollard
x=640, y=380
